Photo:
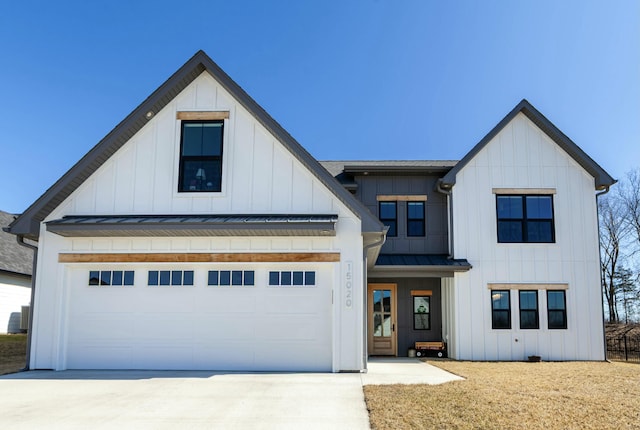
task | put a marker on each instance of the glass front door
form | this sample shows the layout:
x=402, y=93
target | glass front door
x=382, y=319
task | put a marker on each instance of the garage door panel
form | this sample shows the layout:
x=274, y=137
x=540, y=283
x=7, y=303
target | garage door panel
x=259, y=327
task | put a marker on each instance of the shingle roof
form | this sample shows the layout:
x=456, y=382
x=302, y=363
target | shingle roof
x=28, y=223
x=602, y=178
x=13, y=257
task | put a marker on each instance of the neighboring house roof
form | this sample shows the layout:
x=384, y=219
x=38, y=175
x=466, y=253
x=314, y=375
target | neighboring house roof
x=602, y=178
x=28, y=223
x=194, y=225
x=14, y=258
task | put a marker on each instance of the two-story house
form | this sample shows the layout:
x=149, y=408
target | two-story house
x=198, y=234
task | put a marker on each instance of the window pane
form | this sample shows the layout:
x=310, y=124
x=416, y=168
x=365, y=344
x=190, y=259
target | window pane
x=415, y=228
x=128, y=277
x=420, y=305
x=176, y=277
x=500, y=299
x=249, y=277
x=555, y=300
x=225, y=277
x=187, y=278
x=501, y=319
x=191, y=138
x=528, y=300
x=94, y=277
x=274, y=278
x=539, y=231
x=509, y=207
x=236, y=277
x=309, y=278
x=510, y=231
x=285, y=278
x=213, y=277
x=105, y=278
x=298, y=278
x=377, y=301
x=201, y=175
x=528, y=319
x=117, y=277
x=539, y=207
x=165, y=277
x=387, y=210
x=212, y=139
x=386, y=301
x=415, y=210
x=557, y=319
x=153, y=277
x=421, y=321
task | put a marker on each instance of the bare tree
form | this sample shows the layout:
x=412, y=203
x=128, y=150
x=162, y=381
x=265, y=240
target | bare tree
x=613, y=235
x=629, y=194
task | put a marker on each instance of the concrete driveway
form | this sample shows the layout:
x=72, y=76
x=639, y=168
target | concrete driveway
x=199, y=400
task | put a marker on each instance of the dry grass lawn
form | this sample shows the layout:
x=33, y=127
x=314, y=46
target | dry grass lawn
x=572, y=395
x=13, y=350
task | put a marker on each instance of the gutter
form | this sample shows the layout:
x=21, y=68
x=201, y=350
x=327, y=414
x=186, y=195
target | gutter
x=20, y=240
x=447, y=193
x=602, y=280
x=365, y=338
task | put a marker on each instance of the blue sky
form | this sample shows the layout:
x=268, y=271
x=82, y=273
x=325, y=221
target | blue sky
x=358, y=79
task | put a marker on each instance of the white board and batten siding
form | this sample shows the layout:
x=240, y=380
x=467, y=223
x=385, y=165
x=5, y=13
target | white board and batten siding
x=260, y=176
x=521, y=156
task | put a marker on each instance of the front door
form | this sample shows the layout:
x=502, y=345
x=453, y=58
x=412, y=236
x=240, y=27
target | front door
x=382, y=319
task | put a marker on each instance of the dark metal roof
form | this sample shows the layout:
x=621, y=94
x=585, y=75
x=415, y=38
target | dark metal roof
x=14, y=258
x=194, y=225
x=602, y=178
x=439, y=261
x=28, y=223
x=388, y=166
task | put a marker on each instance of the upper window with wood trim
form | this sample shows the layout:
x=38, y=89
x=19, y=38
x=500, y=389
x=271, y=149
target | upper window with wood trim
x=525, y=219
x=389, y=217
x=201, y=156
x=415, y=218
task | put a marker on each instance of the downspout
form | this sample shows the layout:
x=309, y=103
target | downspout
x=441, y=190
x=20, y=240
x=365, y=339
x=604, y=332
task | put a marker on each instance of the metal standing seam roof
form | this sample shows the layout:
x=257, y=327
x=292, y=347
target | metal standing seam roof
x=425, y=260
x=602, y=178
x=28, y=223
x=194, y=225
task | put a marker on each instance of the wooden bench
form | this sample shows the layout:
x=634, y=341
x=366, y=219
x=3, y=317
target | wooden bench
x=436, y=348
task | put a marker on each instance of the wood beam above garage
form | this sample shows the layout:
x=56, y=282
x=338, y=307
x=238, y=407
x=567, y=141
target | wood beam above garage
x=285, y=257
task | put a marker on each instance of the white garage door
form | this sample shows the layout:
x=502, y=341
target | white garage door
x=210, y=318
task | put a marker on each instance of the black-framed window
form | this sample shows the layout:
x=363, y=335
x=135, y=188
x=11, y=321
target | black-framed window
x=421, y=313
x=529, y=309
x=389, y=216
x=170, y=278
x=525, y=218
x=231, y=278
x=415, y=218
x=500, y=309
x=294, y=278
x=116, y=278
x=556, y=309
x=201, y=156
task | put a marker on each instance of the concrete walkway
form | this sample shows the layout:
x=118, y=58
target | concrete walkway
x=199, y=400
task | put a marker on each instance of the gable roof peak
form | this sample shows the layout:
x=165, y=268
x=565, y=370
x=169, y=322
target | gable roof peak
x=602, y=179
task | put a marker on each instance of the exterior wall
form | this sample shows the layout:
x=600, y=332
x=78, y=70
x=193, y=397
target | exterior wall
x=522, y=156
x=259, y=177
x=448, y=294
x=435, y=239
x=15, y=292
x=407, y=336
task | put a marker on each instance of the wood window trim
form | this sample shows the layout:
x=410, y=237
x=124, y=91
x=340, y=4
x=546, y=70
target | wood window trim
x=531, y=191
x=421, y=293
x=402, y=198
x=286, y=257
x=202, y=115
x=512, y=286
